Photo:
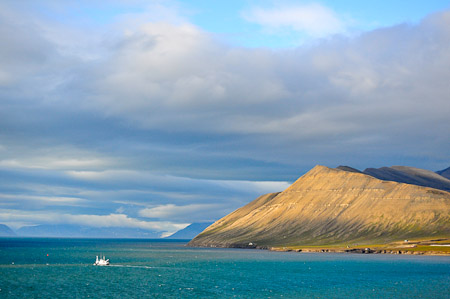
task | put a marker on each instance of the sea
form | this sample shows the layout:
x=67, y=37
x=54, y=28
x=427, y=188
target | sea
x=63, y=268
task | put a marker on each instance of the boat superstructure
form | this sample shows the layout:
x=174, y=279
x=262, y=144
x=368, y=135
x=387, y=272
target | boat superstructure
x=101, y=261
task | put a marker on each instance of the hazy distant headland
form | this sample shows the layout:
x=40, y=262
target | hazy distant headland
x=6, y=231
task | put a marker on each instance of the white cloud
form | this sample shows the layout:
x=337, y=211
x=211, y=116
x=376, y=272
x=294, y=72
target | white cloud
x=122, y=220
x=313, y=19
x=54, y=158
x=53, y=163
x=171, y=211
x=45, y=200
x=111, y=220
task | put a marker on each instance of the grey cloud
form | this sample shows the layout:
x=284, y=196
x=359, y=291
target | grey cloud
x=342, y=87
x=24, y=50
x=168, y=116
x=130, y=191
x=376, y=93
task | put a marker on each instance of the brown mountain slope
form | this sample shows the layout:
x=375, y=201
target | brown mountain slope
x=334, y=207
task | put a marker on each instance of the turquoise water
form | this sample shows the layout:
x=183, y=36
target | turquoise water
x=168, y=269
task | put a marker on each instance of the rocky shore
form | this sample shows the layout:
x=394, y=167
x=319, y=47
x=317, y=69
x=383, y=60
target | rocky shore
x=362, y=251
x=433, y=247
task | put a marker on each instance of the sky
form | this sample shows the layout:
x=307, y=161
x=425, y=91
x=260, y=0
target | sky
x=158, y=114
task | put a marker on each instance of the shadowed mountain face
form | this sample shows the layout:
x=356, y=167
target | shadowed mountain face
x=410, y=175
x=445, y=173
x=5, y=231
x=348, y=168
x=334, y=207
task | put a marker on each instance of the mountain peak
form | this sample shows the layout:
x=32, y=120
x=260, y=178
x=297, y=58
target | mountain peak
x=444, y=172
x=348, y=168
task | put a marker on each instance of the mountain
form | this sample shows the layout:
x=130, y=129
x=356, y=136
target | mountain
x=5, y=231
x=75, y=231
x=445, y=173
x=190, y=231
x=334, y=207
x=348, y=168
x=410, y=175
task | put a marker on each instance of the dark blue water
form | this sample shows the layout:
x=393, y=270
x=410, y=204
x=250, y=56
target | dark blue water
x=168, y=269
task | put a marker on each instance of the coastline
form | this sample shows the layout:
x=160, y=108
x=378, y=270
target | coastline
x=365, y=250
x=439, y=247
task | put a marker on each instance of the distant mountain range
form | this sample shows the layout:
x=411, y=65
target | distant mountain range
x=75, y=231
x=190, y=231
x=340, y=206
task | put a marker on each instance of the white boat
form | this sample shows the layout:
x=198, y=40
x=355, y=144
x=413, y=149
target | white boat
x=101, y=261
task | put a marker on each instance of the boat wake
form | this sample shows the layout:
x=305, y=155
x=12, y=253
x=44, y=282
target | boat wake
x=132, y=266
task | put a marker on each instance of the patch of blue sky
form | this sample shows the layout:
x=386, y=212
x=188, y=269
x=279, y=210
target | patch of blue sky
x=227, y=19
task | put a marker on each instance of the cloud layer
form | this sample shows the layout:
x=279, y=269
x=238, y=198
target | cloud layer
x=158, y=124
